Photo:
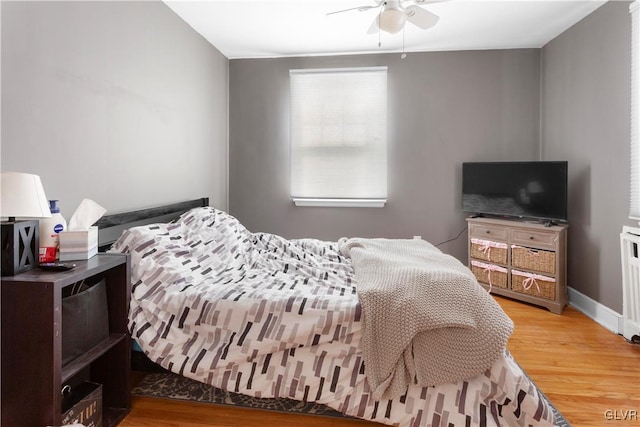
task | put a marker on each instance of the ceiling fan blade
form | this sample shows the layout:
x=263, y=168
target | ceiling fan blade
x=373, y=29
x=428, y=1
x=420, y=17
x=359, y=8
x=376, y=4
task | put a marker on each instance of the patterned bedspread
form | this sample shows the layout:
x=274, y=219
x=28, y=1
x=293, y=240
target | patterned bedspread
x=255, y=313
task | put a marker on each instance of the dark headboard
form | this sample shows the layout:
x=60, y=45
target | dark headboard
x=110, y=227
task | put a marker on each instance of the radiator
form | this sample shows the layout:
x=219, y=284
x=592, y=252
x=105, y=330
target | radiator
x=630, y=251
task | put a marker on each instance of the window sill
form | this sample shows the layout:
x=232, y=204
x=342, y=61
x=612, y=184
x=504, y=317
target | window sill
x=341, y=203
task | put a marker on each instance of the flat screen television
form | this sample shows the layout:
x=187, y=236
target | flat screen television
x=527, y=190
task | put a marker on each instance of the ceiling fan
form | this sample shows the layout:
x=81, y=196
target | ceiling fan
x=393, y=14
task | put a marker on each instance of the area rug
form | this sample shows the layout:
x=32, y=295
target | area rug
x=171, y=386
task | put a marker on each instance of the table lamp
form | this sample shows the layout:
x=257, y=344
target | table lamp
x=22, y=196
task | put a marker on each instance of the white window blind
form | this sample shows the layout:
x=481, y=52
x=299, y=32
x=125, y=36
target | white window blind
x=339, y=136
x=634, y=206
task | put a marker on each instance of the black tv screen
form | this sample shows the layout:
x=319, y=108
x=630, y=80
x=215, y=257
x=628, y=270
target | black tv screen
x=536, y=190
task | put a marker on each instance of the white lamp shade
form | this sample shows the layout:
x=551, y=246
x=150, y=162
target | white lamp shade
x=391, y=20
x=23, y=196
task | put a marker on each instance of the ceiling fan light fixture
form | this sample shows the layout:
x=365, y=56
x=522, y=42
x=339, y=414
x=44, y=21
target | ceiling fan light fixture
x=391, y=20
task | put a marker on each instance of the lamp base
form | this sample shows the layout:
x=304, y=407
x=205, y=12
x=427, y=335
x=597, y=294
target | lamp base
x=19, y=246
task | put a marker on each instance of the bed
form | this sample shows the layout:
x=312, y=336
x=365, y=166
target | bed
x=261, y=315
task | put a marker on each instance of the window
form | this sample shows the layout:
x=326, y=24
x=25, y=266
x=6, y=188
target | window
x=634, y=208
x=339, y=137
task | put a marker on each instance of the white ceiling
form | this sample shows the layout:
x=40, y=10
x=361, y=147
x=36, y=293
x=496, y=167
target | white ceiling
x=270, y=28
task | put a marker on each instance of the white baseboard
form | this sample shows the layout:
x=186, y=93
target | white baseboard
x=601, y=314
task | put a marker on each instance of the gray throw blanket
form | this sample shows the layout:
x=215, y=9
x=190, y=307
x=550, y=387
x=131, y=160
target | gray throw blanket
x=425, y=318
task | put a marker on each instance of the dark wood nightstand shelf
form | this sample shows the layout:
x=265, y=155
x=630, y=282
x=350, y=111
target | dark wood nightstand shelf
x=32, y=371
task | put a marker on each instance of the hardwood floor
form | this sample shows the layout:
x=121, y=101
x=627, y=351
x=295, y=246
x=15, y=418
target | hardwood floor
x=590, y=374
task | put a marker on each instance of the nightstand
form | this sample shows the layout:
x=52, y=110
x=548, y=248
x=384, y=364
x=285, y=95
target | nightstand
x=32, y=370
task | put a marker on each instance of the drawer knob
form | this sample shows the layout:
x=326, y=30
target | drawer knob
x=531, y=237
x=488, y=232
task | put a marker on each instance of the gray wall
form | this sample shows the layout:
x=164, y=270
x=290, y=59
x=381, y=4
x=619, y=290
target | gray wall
x=586, y=98
x=96, y=95
x=120, y=102
x=444, y=108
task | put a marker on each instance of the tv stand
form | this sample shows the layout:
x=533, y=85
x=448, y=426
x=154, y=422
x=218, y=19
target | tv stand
x=520, y=260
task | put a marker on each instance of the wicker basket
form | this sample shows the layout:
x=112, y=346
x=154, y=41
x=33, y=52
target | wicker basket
x=490, y=274
x=533, y=284
x=533, y=259
x=489, y=250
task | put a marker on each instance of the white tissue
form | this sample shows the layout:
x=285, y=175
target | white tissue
x=85, y=216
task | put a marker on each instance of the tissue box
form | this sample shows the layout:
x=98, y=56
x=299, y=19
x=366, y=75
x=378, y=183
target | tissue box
x=78, y=245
